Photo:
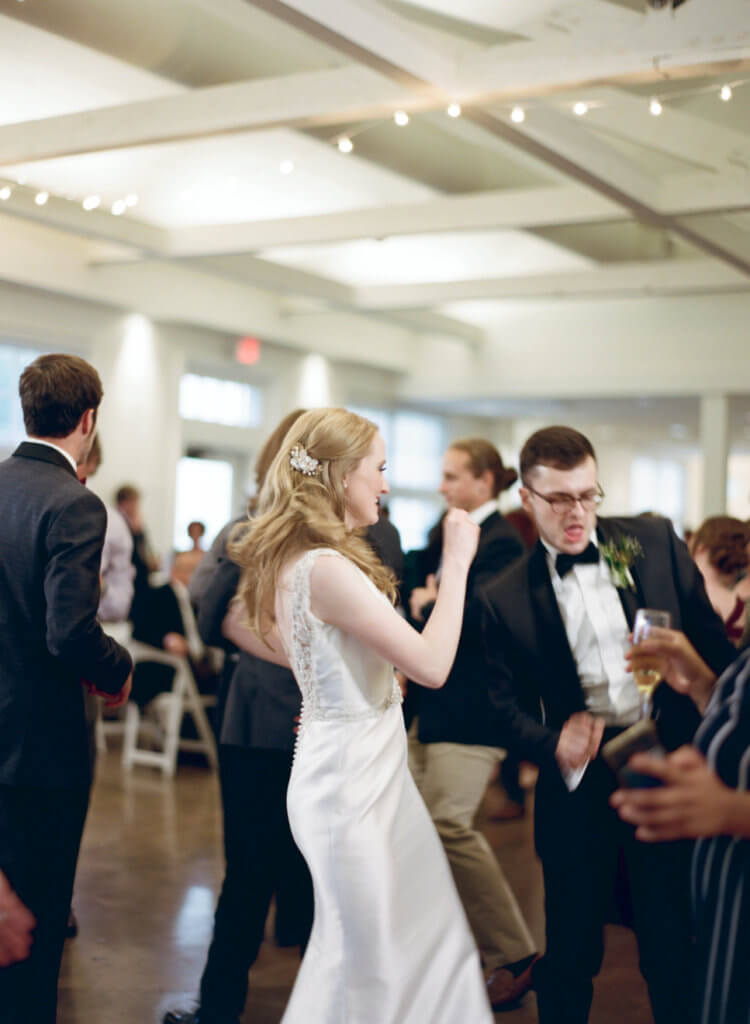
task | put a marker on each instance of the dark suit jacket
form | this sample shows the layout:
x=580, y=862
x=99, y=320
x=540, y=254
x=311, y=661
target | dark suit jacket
x=51, y=541
x=533, y=677
x=460, y=711
x=263, y=699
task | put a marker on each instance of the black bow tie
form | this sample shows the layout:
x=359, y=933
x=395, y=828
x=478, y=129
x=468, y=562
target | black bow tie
x=589, y=555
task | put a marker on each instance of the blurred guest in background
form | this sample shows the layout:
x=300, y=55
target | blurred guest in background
x=720, y=550
x=186, y=562
x=452, y=741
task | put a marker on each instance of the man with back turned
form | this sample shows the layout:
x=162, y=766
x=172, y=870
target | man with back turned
x=51, y=645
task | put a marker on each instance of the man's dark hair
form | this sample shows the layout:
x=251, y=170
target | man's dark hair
x=484, y=456
x=56, y=390
x=126, y=493
x=557, y=447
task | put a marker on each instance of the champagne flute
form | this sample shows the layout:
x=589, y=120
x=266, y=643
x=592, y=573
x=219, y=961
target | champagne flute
x=647, y=678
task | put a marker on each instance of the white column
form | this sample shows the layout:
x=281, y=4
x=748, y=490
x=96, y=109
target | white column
x=714, y=432
x=139, y=419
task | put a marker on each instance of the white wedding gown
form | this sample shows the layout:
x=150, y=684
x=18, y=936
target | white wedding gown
x=390, y=943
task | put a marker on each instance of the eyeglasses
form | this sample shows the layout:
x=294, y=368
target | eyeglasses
x=562, y=503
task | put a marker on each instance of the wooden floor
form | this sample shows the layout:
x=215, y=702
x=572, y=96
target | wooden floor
x=149, y=872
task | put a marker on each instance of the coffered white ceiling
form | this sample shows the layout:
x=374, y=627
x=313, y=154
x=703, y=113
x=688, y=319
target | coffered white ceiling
x=223, y=118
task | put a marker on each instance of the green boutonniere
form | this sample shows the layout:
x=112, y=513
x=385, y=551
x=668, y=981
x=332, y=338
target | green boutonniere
x=619, y=555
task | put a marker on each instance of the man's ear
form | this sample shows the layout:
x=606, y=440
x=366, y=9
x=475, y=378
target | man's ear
x=88, y=422
x=525, y=495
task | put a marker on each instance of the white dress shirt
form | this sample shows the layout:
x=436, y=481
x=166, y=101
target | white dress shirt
x=478, y=515
x=597, y=633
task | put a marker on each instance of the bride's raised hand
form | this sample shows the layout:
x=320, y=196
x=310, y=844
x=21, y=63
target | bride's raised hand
x=460, y=537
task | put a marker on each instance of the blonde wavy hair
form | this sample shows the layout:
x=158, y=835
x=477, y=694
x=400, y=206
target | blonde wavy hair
x=296, y=513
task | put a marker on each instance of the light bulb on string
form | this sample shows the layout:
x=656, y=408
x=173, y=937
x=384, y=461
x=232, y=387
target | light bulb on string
x=401, y=118
x=454, y=110
x=345, y=144
x=655, y=107
x=5, y=192
x=580, y=108
x=518, y=115
x=41, y=198
x=726, y=93
x=91, y=202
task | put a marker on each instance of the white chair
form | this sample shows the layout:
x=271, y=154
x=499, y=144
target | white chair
x=164, y=727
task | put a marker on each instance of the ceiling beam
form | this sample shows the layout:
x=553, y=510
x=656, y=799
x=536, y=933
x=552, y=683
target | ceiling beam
x=303, y=99
x=618, y=280
x=38, y=257
x=509, y=208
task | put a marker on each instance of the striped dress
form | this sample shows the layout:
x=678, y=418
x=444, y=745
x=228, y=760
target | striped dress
x=721, y=864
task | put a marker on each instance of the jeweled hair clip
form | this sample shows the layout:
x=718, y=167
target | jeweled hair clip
x=302, y=462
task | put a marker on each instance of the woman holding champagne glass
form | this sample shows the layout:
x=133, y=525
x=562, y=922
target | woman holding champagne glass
x=703, y=792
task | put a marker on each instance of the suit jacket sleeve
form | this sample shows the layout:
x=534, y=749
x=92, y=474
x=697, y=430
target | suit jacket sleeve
x=74, y=544
x=521, y=730
x=215, y=601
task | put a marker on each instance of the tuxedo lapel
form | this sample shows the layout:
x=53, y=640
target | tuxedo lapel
x=630, y=599
x=551, y=638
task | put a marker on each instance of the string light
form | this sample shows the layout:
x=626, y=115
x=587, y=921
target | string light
x=345, y=144
x=454, y=110
x=518, y=115
x=41, y=198
x=119, y=207
x=5, y=192
x=91, y=202
x=580, y=108
x=726, y=93
x=655, y=107
x=131, y=199
x=286, y=166
x=401, y=118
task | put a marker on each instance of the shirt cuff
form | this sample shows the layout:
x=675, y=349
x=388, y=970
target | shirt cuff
x=573, y=779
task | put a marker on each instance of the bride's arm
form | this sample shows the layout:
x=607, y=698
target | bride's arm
x=236, y=629
x=340, y=596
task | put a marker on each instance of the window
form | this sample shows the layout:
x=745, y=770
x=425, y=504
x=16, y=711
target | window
x=204, y=492
x=228, y=402
x=658, y=485
x=13, y=360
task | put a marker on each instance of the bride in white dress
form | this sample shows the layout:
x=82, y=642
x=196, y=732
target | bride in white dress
x=390, y=942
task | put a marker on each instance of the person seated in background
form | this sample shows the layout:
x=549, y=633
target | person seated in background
x=720, y=550
x=186, y=562
x=703, y=794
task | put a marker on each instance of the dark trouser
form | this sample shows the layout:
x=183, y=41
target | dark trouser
x=580, y=859
x=40, y=835
x=261, y=859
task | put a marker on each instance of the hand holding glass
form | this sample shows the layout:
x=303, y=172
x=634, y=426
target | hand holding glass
x=646, y=677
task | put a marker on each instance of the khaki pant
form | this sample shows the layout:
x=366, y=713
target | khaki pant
x=452, y=778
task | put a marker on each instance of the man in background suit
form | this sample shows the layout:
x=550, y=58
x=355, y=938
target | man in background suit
x=556, y=628
x=50, y=644
x=453, y=749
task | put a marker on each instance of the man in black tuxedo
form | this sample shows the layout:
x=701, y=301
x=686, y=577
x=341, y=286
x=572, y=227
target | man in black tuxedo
x=556, y=628
x=453, y=748
x=50, y=644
